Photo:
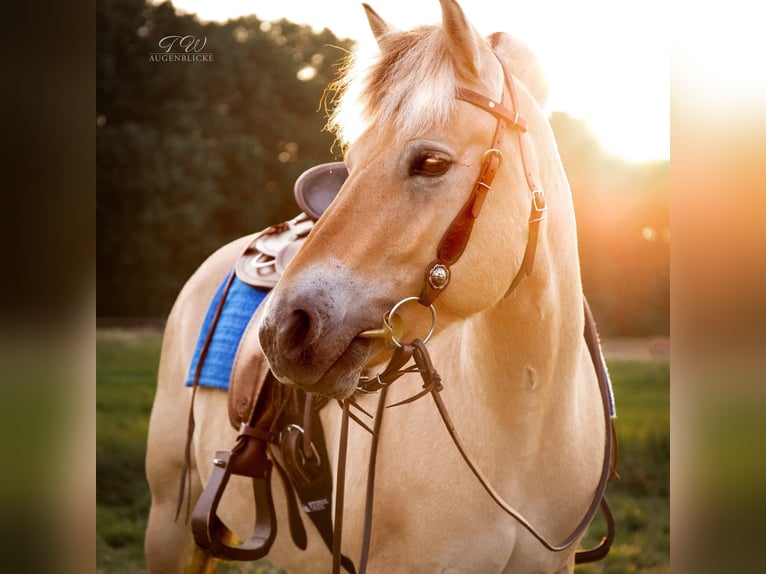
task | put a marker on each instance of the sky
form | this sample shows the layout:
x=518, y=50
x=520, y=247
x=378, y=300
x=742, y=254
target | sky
x=608, y=61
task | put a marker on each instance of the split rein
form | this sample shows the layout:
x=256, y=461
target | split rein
x=417, y=352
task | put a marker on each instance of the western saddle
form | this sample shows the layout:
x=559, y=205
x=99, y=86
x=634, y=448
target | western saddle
x=279, y=427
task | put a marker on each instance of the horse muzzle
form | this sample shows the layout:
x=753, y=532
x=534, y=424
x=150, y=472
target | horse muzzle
x=309, y=334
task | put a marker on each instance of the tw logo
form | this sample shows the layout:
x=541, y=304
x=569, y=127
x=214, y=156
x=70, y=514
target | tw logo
x=187, y=43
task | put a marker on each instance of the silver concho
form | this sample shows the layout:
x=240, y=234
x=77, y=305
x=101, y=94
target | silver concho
x=438, y=276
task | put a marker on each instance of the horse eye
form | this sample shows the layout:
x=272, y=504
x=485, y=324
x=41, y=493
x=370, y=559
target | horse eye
x=430, y=165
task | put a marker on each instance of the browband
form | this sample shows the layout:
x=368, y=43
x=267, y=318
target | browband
x=497, y=109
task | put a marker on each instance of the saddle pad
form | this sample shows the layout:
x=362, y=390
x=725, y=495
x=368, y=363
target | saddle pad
x=241, y=303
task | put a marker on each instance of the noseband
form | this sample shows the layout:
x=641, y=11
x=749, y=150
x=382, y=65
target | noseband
x=455, y=239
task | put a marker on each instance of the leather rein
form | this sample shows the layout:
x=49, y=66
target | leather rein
x=437, y=277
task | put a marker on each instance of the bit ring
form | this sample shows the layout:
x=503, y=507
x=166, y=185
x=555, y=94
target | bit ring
x=387, y=316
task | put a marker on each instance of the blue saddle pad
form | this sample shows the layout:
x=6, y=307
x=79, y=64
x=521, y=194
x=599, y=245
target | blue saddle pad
x=241, y=302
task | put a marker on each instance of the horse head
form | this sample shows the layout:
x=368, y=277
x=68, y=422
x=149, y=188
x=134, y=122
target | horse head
x=415, y=151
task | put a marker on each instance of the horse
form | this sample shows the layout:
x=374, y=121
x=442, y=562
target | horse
x=447, y=143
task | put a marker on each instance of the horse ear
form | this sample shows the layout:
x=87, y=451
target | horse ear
x=462, y=41
x=378, y=26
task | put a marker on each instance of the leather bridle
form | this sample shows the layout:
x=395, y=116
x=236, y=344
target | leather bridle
x=437, y=277
x=455, y=239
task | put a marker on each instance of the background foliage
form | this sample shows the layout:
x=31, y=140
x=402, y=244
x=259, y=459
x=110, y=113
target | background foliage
x=192, y=155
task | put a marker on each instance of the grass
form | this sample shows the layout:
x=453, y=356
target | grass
x=125, y=384
x=126, y=371
x=640, y=499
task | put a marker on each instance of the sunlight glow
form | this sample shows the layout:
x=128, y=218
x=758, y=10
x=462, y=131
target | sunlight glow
x=718, y=62
x=306, y=73
x=608, y=62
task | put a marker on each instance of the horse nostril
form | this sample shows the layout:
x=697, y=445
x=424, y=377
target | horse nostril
x=298, y=335
x=297, y=329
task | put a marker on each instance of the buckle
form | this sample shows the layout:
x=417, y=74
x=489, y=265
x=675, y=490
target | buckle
x=493, y=151
x=539, y=205
x=299, y=453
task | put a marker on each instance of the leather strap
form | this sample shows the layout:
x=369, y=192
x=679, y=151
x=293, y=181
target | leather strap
x=297, y=530
x=304, y=453
x=602, y=550
x=185, y=482
x=432, y=385
x=454, y=241
x=340, y=489
x=400, y=357
x=538, y=202
x=433, y=381
x=370, y=495
x=497, y=109
x=575, y=535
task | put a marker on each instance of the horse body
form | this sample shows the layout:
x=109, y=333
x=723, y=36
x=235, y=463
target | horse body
x=517, y=375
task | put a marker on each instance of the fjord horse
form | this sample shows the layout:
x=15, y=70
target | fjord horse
x=517, y=376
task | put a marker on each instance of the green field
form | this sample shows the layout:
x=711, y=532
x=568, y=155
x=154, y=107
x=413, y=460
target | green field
x=125, y=382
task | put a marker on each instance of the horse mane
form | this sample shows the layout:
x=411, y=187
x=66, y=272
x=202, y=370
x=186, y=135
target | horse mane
x=408, y=86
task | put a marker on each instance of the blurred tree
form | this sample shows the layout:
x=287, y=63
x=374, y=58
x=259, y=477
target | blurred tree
x=193, y=154
x=623, y=223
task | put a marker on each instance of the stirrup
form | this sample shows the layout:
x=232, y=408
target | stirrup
x=210, y=533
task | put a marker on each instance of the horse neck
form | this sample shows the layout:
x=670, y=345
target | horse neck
x=532, y=340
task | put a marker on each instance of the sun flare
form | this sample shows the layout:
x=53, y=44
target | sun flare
x=607, y=62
